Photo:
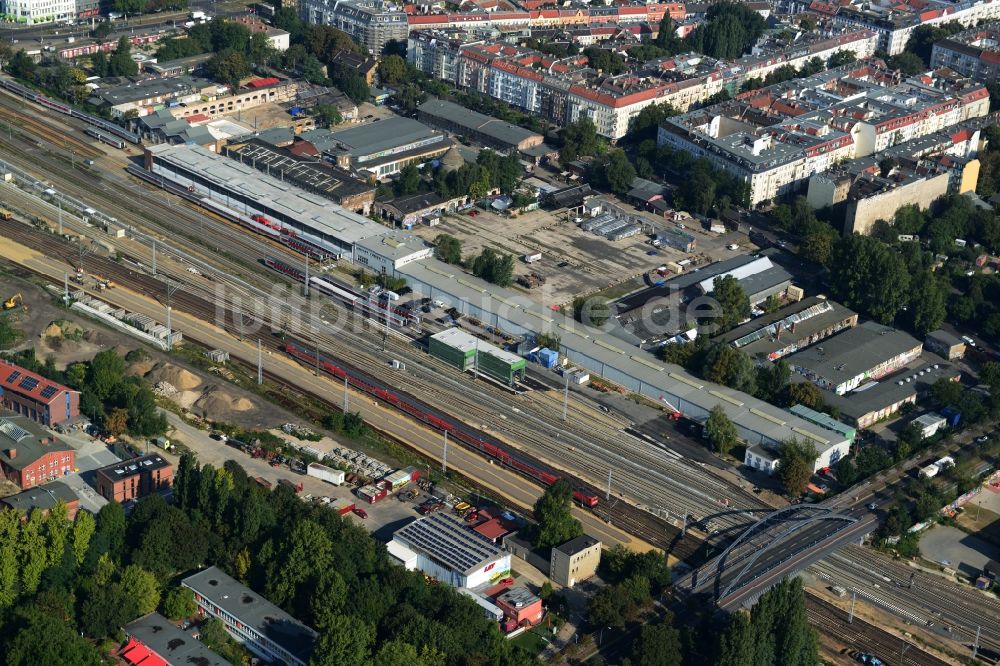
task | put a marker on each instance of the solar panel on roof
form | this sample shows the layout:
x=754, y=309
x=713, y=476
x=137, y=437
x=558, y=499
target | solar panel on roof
x=49, y=391
x=14, y=375
x=29, y=383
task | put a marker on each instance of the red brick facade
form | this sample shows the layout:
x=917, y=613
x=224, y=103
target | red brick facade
x=132, y=479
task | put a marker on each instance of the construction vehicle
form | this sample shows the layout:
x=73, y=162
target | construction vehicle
x=12, y=302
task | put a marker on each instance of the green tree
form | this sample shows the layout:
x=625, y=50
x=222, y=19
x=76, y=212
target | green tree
x=448, y=249
x=927, y=309
x=353, y=85
x=229, y=67
x=327, y=115
x=579, y=139
x=99, y=64
x=733, y=302
x=553, y=511
x=947, y=393
x=731, y=367
x=10, y=524
x=392, y=70
x=805, y=393
x=772, y=381
x=408, y=181
x=658, y=645
x=720, y=430
x=907, y=63
x=111, y=525
x=591, y=310
x=312, y=69
x=33, y=556
x=121, y=63
x=845, y=471
x=841, y=58
x=869, y=276
x=736, y=642
x=179, y=603
x=494, y=267
x=346, y=640
x=42, y=638
x=616, y=172
x=102, y=30
x=106, y=609
x=795, y=466
x=106, y=372
x=817, y=245
x=142, y=587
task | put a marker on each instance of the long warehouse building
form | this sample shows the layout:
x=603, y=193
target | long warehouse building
x=758, y=422
x=242, y=190
x=229, y=183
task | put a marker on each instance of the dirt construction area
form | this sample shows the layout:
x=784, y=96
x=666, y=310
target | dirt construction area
x=574, y=262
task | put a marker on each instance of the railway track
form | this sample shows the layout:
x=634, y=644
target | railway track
x=862, y=636
x=48, y=133
x=623, y=515
x=636, y=460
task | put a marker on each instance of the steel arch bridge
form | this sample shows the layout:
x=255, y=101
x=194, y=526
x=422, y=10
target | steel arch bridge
x=771, y=541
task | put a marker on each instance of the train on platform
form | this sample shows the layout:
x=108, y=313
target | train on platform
x=105, y=138
x=99, y=123
x=434, y=418
x=367, y=304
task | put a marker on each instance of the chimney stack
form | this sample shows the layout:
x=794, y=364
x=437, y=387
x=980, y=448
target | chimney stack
x=11, y=453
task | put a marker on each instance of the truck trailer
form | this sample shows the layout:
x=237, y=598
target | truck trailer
x=324, y=473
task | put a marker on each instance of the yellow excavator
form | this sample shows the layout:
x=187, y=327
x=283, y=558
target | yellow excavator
x=12, y=302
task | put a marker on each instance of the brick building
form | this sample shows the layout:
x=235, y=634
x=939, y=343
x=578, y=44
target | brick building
x=31, y=395
x=30, y=455
x=132, y=479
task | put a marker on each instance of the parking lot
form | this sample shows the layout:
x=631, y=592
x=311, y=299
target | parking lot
x=574, y=262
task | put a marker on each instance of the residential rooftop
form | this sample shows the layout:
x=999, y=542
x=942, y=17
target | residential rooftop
x=170, y=643
x=253, y=610
x=134, y=467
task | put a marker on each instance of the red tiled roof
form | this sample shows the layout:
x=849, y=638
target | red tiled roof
x=492, y=529
x=17, y=380
x=303, y=148
x=263, y=83
x=137, y=653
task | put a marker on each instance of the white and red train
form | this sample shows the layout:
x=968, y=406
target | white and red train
x=359, y=302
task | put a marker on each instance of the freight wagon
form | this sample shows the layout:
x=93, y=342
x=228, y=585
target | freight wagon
x=432, y=417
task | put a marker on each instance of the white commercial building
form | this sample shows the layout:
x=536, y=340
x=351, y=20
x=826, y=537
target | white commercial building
x=385, y=254
x=445, y=548
x=929, y=424
x=33, y=12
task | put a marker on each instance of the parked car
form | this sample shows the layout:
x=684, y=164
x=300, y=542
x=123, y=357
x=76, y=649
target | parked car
x=359, y=512
x=982, y=439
